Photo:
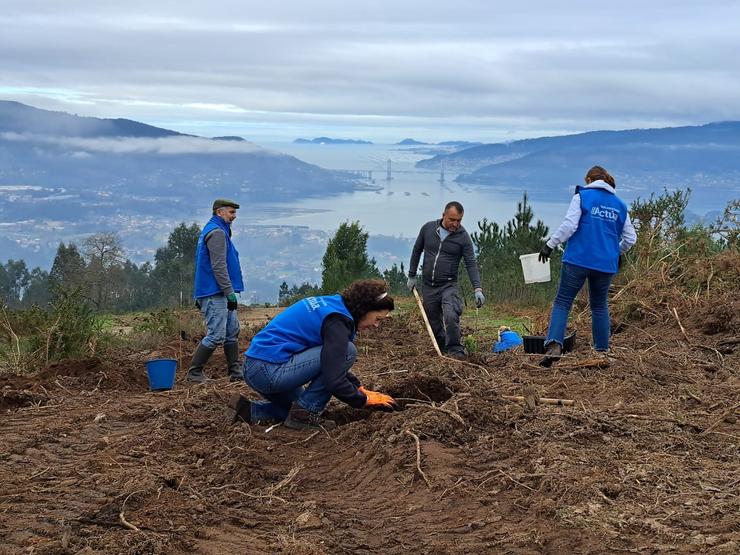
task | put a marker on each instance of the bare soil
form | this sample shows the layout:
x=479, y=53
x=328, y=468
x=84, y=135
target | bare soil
x=645, y=461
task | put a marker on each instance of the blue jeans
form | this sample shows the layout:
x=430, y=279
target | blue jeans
x=572, y=278
x=282, y=383
x=222, y=324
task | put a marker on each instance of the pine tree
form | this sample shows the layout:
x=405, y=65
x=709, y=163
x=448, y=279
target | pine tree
x=174, y=268
x=498, y=250
x=396, y=279
x=283, y=294
x=346, y=259
x=68, y=268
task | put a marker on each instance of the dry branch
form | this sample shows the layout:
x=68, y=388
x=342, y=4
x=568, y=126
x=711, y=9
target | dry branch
x=680, y=325
x=288, y=479
x=121, y=516
x=601, y=362
x=418, y=457
x=448, y=412
x=541, y=400
x=721, y=419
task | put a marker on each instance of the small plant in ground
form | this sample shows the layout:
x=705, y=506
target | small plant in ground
x=470, y=343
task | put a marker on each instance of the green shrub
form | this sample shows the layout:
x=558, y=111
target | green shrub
x=68, y=328
x=161, y=323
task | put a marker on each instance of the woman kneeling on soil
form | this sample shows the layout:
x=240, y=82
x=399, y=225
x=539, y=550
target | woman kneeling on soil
x=598, y=230
x=304, y=355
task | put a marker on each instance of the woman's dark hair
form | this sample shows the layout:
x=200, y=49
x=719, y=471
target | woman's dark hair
x=360, y=297
x=598, y=173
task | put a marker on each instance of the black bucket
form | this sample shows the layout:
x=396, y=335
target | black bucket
x=535, y=344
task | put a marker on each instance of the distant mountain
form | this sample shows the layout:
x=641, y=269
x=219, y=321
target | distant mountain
x=459, y=143
x=230, y=138
x=705, y=158
x=410, y=142
x=63, y=176
x=20, y=118
x=330, y=141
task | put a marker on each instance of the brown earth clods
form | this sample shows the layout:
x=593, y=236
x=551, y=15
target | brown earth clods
x=645, y=461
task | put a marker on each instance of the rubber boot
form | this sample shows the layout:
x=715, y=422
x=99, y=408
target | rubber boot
x=302, y=419
x=240, y=408
x=231, y=350
x=200, y=357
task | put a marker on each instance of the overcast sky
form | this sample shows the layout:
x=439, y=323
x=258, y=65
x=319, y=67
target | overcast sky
x=379, y=70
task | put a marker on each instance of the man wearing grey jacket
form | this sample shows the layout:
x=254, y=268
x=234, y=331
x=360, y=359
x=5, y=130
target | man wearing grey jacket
x=218, y=279
x=444, y=243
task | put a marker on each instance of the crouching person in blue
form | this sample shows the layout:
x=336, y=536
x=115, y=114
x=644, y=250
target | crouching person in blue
x=218, y=278
x=303, y=357
x=598, y=230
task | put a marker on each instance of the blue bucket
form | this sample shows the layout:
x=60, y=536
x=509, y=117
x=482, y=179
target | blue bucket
x=161, y=373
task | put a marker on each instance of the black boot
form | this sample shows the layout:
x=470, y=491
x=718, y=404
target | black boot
x=302, y=419
x=239, y=409
x=200, y=357
x=231, y=350
x=553, y=352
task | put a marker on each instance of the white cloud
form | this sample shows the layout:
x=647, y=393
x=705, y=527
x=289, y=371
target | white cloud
x=139, y=145
x=470, y=69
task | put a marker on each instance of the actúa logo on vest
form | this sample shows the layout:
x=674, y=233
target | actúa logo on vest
x=314, y=303
x=605, y=212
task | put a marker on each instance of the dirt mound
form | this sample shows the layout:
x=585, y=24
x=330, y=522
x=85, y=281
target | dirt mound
x=718, y=317
x=20, y=391
x=72, y=368
x=645, y=458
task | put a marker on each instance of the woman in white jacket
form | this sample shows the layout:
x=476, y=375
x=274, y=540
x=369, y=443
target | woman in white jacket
x=598, y=230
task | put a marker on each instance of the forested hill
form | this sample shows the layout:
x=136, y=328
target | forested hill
x=705, y=158
x=20, y=118
x=63, y=176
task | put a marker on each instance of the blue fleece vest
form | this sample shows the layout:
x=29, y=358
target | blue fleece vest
x=205, y=281
x=595, y=244
x=296, y=329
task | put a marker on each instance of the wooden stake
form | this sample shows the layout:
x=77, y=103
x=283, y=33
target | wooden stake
x=426, y=321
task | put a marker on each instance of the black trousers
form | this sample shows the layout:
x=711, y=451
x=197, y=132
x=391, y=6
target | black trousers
x=444, y=306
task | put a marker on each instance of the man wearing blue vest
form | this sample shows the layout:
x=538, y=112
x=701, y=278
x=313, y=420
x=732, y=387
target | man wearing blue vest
x=218, y=278
x=598, y=230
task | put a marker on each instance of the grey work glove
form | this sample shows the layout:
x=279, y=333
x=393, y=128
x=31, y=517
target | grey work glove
x=411, y=283
x=479, y=298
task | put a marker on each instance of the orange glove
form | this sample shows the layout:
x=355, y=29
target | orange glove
x=378, y=400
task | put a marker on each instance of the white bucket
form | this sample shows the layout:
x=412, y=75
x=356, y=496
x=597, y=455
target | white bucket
x=534, y=270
